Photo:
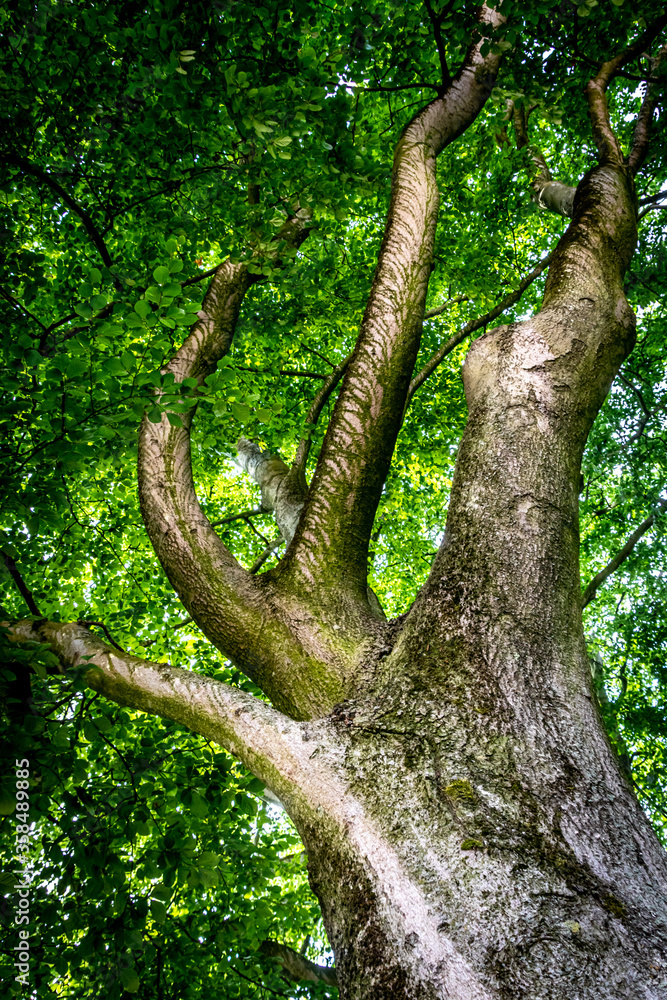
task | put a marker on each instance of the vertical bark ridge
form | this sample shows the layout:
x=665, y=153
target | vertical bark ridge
x=332, y=539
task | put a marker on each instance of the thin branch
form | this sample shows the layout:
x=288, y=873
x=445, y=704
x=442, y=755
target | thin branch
x=244, y=515
x=268, y=551
x=313, y=415
x=439, y=310
x=47, y=178
x=319, y=354
x=475, y=324
x=646, y=413
x=391, y=90
x=201, y=277
x=440, y=45
x=296, y=966
x=21, y=586
x=18, y=305
x=87, y=624
x=652, y=198
x=590, y=591
x=293, y=372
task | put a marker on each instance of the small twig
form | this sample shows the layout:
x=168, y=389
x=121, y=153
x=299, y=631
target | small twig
x=319, y=354
x=83, y=621
x=261, y=559
x=244, y=515
x=475, y=324
x=391, y=90
x=439, y=310
x=296, y=373
x=314, y=412
x=620, y=557
x=201, y=277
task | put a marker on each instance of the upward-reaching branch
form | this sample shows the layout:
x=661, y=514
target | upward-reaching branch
x=640, y=139
x=332, y=538
x=548, y=193
x=608, y=146
x=224, y=600
x=592, y=588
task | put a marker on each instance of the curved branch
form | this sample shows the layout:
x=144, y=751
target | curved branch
x=332, y=539
x=474, y=324
x=640, y=138
x=608, y=146
x=46, y=178
x=591, y=590
x=223, y=599
x=264, y=739
x=297, y=967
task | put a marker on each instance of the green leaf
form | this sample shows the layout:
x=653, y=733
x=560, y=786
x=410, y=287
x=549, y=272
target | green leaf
x=130, y=980
x=90, y=730
x=158, y=911
x=161, y=275
x=241, y=412
x=142, y=308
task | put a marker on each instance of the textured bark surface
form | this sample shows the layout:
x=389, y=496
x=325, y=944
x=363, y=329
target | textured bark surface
x=470, y=833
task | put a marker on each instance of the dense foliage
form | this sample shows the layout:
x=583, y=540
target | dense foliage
x=142, y=143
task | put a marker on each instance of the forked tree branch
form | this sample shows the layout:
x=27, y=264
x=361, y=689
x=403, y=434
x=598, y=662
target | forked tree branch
x=474, y=324
x=640, y=139
x=222, y=597
x=592, y=588
x=332, y=538
x=606, y=141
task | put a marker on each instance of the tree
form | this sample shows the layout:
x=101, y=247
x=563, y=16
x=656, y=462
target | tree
x=470, y=827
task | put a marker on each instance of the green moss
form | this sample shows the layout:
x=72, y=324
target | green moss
x=460, y=791
x=614, y=905
x=470, y=844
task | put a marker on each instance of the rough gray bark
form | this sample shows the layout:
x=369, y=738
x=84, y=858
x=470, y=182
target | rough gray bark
x=470, y=833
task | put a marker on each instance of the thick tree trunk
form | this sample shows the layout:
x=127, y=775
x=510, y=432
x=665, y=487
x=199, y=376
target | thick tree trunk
x=498, y=851
x=469, y=830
